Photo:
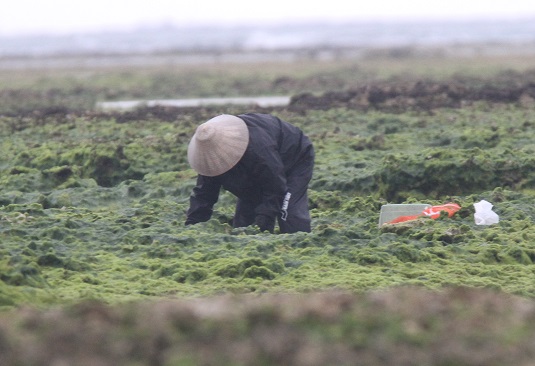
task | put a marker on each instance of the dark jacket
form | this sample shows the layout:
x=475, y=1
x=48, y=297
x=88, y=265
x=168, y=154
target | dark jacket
x=275, y=146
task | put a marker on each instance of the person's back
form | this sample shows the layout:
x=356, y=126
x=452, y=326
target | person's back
x=290, y=140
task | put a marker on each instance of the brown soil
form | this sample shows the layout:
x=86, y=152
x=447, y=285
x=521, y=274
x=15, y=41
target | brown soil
x=419, y=95
x=404, y=326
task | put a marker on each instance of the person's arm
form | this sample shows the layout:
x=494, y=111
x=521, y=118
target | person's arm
x=204, y=196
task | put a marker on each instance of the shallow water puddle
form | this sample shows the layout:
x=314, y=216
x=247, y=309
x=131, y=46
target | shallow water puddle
x=260, y=101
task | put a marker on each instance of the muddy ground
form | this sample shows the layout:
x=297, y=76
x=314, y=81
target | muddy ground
x=419, y=95
x=391, y=96
x=403, y=326
x=316, y=92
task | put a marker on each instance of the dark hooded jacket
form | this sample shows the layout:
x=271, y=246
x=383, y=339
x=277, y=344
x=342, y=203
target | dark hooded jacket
x=259, y=178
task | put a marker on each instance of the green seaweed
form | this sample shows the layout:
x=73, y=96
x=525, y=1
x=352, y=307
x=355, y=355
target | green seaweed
x=93, y=204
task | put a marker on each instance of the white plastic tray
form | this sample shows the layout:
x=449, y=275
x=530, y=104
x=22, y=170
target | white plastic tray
x=391, y=211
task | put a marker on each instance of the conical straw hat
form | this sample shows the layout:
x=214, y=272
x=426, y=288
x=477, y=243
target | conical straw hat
x=218, y=145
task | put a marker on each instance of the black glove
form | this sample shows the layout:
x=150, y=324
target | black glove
x=265, y=223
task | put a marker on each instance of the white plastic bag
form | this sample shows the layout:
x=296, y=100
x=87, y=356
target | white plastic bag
x=484, y=214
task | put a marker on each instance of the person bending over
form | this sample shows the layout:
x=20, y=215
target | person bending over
x=265, y=162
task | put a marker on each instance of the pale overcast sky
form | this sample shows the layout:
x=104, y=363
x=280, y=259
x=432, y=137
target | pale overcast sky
x=73, y=16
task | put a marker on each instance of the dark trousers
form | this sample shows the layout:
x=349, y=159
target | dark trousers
x=294, y=215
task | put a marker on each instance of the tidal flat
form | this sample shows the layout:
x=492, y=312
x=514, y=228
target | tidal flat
x=93, y=202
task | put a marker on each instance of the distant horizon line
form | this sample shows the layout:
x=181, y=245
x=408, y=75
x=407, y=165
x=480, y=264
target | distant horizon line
x=98, y=30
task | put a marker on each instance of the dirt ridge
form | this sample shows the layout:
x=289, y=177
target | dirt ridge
x=400, y=326
x=418, y=95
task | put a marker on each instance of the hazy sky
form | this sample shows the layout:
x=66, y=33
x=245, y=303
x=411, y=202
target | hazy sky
x=70, y=16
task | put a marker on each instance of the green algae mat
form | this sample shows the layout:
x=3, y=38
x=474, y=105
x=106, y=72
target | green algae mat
x=92, y=207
